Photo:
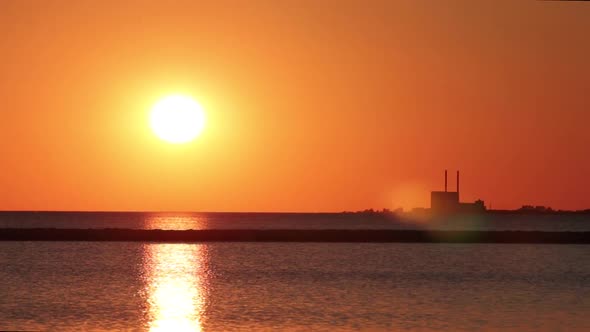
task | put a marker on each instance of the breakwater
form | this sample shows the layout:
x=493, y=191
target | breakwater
x=242, y=235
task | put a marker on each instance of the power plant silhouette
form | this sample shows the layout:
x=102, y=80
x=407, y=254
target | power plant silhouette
x=447, y=202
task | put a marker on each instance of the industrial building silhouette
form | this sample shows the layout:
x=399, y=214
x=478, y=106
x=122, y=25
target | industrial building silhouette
x=447, y=202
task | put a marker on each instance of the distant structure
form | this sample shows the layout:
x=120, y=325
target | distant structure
x=447, y=202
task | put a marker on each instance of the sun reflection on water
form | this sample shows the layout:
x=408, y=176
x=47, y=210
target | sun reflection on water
x=175, y=288
x=176, y=221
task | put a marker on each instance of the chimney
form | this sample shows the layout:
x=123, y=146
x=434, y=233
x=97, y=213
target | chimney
x=457, y=184
x=445, y=180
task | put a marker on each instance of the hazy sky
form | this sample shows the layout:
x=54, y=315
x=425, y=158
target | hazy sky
x=311, y=105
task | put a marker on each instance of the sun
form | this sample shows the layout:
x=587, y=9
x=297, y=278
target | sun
x=177, y=119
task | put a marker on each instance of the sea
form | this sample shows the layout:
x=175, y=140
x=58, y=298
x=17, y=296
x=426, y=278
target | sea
x=226, y=286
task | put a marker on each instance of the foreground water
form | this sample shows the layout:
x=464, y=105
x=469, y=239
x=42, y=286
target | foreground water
x=293, y=287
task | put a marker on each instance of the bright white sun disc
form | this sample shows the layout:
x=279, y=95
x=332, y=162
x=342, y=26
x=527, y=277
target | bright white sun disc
x=177, y=119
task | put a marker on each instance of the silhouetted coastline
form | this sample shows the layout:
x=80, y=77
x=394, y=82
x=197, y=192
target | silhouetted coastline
x=243, y=235
x=536, y=210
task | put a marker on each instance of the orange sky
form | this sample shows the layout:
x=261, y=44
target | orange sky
x=311, y=105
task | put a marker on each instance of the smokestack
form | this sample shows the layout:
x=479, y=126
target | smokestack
x=445, y=180
x=457, y=184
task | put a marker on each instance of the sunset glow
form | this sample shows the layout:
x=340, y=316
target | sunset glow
x=299, y=110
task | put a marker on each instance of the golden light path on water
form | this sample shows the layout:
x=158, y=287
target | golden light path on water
x=175, y=286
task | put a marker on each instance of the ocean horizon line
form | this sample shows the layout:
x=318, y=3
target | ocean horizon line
x=345, y=212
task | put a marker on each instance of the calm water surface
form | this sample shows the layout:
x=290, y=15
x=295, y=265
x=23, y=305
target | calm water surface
x=141, y=220
x=294, y=287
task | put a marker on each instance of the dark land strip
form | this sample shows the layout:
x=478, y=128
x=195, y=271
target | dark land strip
x=284, y=235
